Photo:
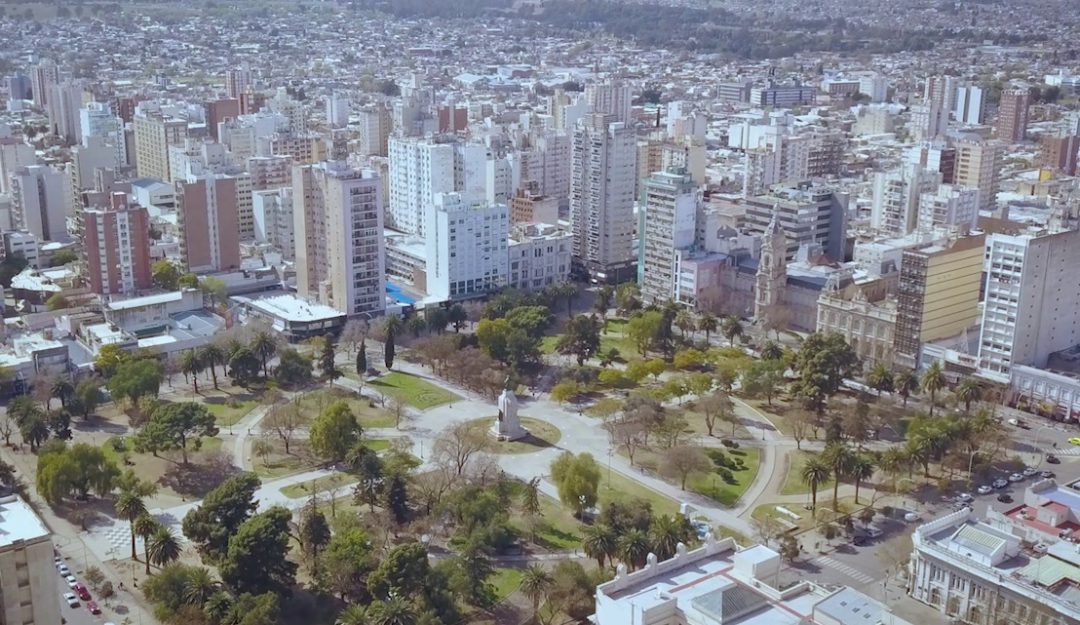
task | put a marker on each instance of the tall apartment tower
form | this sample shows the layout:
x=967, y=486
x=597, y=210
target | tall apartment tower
x=237, y=81
x=937, y=98
x=42, y=77
x=14, y=154
x=970, y=105
x=937, y=294
x=771, y=278
x=466, y=247
x=949, y=205
x=668, y=226
x=154, y=133
x=896, y=195
x=208, y=214
x=28, y=582
x=338, y=224
x=611, y=98
x=1032, y=302
x=116, y=239
x=65, y=101
x=978, y=164
x=19, y=87
x=375, y=127
x=1058, y=152
x=602, y=174
x=418, y=170
x=1012, y=118
x=41, y=202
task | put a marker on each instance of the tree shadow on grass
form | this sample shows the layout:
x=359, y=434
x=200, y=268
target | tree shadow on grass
x=198, y=479
x=304, y=606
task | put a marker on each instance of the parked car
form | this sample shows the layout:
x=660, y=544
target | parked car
x=965, y=498
x=83, y=593
x=1000, y=483
x=858, y=540
x=1046, y=474
x=984, y=490
x=1052, y=459
x=71, y=581
x=1005, y=498
x=72, y=600
x=64, y=570
x=93, y=607
x=872, y=532
x=1016, y=477
x=1030, y=471
x=911, y=517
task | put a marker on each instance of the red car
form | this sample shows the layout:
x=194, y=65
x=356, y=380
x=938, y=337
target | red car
x=93, y=607
x=83, y=593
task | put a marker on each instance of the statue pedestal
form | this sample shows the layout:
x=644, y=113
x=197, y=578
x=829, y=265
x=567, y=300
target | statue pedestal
x=507, y=426
x=505, y=434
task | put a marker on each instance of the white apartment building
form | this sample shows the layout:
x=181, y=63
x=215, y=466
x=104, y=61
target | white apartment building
x=23, y=244
x=338, y=223
x=970, y=105
x=375, y=125
x=548, y=165
x=603, y=171
x=949, y=205
x=539, y=256
x=337, y=110
x=896, y=200
x=96, y=119
x=272, y=214
x=27, y=572
x=1032, y=300
x=466, y=247
x=978, y=574
x=419, y=169
x=65, y=101
x=13, y=155
x=41, y=202
x=612, y=98
x=668, y=225
x=874, y=85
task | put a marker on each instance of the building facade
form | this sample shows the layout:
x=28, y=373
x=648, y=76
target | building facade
x=539, y=256
x=668, y=225
x=208, y=216
x=27, y=571
x=41, y=202
x=1012, y=117
x=116, y=240
x=466, y=247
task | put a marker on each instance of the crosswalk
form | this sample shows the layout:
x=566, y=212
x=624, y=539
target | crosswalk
x=1071, y=450
x=836, y=565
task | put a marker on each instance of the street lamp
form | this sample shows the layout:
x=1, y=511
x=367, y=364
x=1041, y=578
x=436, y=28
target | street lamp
x=971, y=461
x=1038, y=452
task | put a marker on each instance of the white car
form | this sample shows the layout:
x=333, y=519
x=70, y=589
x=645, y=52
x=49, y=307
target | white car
x=983, y=490
x=964, y=497
x=72, y=600
x=911, y=517
x=64, y=570
x=71, y=581
x=1016, y=477
x=1030, y=471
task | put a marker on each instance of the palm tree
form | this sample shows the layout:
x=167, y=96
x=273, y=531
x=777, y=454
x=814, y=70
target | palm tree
x=600, y=543
x=212, y=356
x=604, y=296
x=130, y=506
x=33, y=429
x=144, y=527
x=880, y=379
x=394, y=611
x=906, y=383
x=772, y=351
x=708, y=324
x=665, y=534
x=685, y=322
x=838, y=458
x=568, y=290
x=731, y=327
x=354, y=614
x=893, y=462
x=199, y=587
x=191, y=364
x=861, y=468
x=932, y=382
x=264, y=346
x=536, y=583
x=969, y=390
x=163, y=547
x=814, y=474
x=634, y=548
x=62, y=389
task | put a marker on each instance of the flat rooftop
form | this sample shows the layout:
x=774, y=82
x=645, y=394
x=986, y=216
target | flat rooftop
x=18, y=521
x=147, y=300
x=292, y=308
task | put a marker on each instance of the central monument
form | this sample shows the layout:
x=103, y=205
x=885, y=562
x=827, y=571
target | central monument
x=507, y=426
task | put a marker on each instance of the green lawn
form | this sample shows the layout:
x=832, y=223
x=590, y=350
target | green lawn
x=713, y=486
x=615, y=337
x=555, y=529
x=793, y=482
x=311, y=404
x=278, y=463
x=541, y=436
x=317, y=485
x=505, y=582
x=224, y=414
x=412, y=390
x=616, y=487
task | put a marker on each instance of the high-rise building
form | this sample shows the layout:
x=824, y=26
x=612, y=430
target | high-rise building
x=208, y=216
x=1032, y=300
x=970, y=105
x=218, y=111
x=895, y=207
x=337, y=110
x=27, y=570
x=548, y=164
x=466, y=247
x=86, y=159
x=96, y=119
x=116, y=239
x=42, y=77
x=420, y=168
x=375, y=125
x=1058, y=152
x=19, y=87
x=65, y=102
x=610, y=98
x=1012, y=117
x=668, y=226
x=602, y=197
x=937, y=294
x=154, y=133
x=938, y=98
x=41, y=202
x=949, y=205
x=528, y=206
x=808, y=214
x=13, y=155
x=270, y=172
x=237, y=82
x=978, y=164
x=338, y=224
x=272, y=211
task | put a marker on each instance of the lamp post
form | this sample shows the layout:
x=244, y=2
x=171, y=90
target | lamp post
x=971, y=461
x=1038, y=452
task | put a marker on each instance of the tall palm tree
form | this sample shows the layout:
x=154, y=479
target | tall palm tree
x=264, y=346
x=665, y=534
x=130, y=506
x=354, y=614
x=212, y=356
x=906, y=383
x=634, y=548
x=163, y=547
x=893, y=462
x=732, y=327
x=536, y=583
x=880, y=378
x=772, y=351
x=191, y=364
x=861, y=468
x=685, y=321
x=838, y=458
x=394, y=611
x=199, y=587
x=144, y=527
x=932, y=382
x=814, y=474
x=604, y=296
x=969, y=390
x=568, y=290
x=600, y=542
x=708, y=324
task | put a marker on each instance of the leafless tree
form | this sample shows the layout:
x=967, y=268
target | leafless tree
x=714, y=405
x=457, y=444
x=283, y=421
x=628, y=434
x=354, y=331
x=398, y=409
x=682, y=460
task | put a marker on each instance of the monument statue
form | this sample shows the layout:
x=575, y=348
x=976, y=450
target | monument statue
x=508, y=426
